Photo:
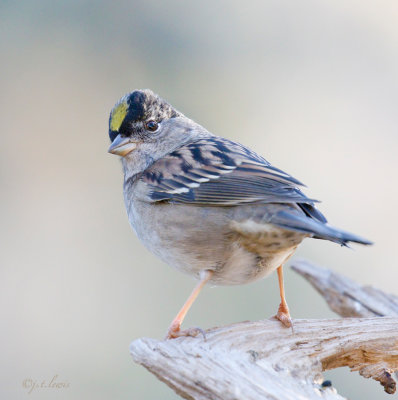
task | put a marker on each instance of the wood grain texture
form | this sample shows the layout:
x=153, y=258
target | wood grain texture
x=263, y=360
x=346, y=297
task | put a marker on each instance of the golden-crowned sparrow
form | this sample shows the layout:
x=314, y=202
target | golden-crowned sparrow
x=206, y=205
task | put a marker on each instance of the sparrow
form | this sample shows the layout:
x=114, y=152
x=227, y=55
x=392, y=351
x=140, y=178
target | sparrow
x=206, y=205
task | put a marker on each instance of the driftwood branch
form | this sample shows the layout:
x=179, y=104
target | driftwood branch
x=346, y=297
x=263, y=360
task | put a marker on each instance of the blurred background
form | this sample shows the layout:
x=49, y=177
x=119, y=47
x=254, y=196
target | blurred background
x=311, y=85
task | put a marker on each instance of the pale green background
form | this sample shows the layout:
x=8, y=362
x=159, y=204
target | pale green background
x=311, y=85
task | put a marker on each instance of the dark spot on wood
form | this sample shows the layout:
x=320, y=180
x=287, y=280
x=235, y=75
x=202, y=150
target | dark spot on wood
x=253, y=355
x=388, y=382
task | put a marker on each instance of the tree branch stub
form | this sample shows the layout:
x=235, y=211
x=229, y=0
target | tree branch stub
x=346, y=297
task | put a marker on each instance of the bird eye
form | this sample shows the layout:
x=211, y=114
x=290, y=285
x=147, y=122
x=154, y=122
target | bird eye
x=151, y=126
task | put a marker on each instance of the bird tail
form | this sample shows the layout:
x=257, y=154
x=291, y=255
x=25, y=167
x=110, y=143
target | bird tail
x=318, y=229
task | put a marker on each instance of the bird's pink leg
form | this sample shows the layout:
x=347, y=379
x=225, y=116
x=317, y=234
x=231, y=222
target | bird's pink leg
x=174, y=329
x=283, y=311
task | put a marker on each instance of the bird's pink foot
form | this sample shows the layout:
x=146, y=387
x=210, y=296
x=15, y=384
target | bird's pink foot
x=284, y=316
x=175, y=332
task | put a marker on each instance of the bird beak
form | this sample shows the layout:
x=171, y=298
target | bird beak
x=122, y=146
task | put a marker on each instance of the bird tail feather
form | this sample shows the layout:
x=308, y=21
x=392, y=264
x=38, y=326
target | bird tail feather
x=316, y=228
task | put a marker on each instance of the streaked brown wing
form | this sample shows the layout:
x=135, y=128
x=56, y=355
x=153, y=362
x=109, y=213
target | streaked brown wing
x=216, y=171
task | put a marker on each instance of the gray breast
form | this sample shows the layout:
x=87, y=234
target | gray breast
x=233, y=241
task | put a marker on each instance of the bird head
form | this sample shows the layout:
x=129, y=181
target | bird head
x=140, y=117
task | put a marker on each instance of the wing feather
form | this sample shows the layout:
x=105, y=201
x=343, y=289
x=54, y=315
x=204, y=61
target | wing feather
x=217, y=171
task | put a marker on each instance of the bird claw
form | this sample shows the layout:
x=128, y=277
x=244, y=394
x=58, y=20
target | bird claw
x=174, y=333
x=285, y=319
x=283, y=316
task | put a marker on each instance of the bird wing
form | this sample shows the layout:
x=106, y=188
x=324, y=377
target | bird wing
x=214, y=171
x=218, y=172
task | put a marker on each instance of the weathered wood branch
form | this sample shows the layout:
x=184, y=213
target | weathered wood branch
x=346, y=297
x=263, y=360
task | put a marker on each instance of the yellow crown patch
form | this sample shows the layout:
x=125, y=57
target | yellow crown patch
x=117, y=116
